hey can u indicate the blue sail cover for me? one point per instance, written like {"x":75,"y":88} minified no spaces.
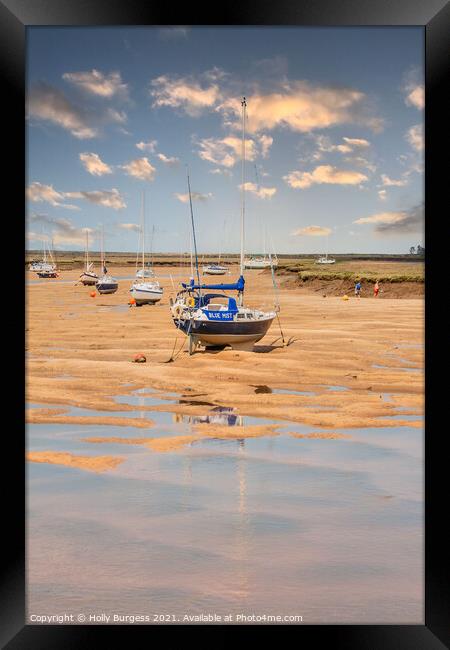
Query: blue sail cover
{"x":237,"y":286}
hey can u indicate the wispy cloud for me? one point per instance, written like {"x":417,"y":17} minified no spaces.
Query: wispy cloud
{"x":413,"y":89}
{"x":396,"y":223}
{"x":49,"y":104}
{"x":392,"y":182}
{"x":349,"y":145}
{"x":226,"y":151}
{"x":414,"y":137}
{"x":191,"y":95}
{"x":94,"y":165}
{"x":382,"y":195}
{"x":107,"y":198}
{"x":63,"y":231}
{"x":130,"y":226}
{"x":140,"y":168}
{"x":324,"y":174}
{"x":312,"y":231}
{"x":98,"y":83}
{"x":259,"y":191}
{"x":196,"y":196}
{"x":171,"y":161}
{"x":40,"y":193}
{"x":149,"y":146}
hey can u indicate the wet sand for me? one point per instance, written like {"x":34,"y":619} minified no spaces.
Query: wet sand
{"x":332,"y":343}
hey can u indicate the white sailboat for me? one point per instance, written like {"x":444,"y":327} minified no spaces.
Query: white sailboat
{"x":105,"y":283}
{"x":215,"y":319}
{"x":48,"y":267}
{"x":215,"y":268}
{"x":145,"y":291}
{"x":44,"y":266}
{"x":325,"y":259}
{"x":261,"y":262}
{"x":88,"y":277}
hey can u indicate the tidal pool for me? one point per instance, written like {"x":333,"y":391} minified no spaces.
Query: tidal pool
{"x":329,"y":529}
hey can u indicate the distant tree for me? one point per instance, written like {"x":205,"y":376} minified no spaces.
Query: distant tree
{"x":420,"y":250}
{"x":412,"y":250}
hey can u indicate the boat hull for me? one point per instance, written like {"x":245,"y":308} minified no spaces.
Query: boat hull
{"x":212,"y":271}
{"x":107,"y":287}
{"x":88,"y":280}
{"x":144,"y":297}
{"x":237,"y":334}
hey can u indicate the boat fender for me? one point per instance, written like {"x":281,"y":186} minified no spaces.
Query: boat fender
{"x":177,"y":311}
{"x":191,"y":302}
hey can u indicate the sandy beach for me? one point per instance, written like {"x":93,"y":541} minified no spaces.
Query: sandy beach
{"x":341,"y":358}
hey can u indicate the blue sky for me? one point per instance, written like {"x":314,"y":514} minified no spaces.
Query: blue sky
{"x":334,"y":137}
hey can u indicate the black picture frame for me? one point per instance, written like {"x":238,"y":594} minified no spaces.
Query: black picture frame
{"x":434,"y":17}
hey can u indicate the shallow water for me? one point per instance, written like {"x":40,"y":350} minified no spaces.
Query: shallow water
{"x":329,"y":529}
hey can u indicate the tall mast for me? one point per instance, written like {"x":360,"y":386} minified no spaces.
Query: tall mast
{"x":243,"y":104}
{"x":193,"y":231}
{"x":143,"y":229}
{"x":87,"y":249}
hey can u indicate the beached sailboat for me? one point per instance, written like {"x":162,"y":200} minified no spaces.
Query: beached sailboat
{"x":48,"y":268}
{"x":216,"y":319}
{"x":47,"y":265}
{"x":325,"y":259}
{"x":145,"y":291}
{"x":215,"y":268}
{"x":88,"y":277}
{"x":105,"y":283}
{"x":261,"y":262}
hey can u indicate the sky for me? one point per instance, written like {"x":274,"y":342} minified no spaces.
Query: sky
{"x":334,"y":137}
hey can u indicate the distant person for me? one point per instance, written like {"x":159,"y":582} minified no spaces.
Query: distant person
{"x":358,"y":289}
{"x":376,"y":289}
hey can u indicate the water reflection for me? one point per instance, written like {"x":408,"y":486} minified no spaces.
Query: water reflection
{"x":220,"y":415}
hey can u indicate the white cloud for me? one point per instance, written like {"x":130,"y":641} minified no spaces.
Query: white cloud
{"x":167,"y":160}
{"x":300,"y":106}
{"x":140,"y":168}
{"x":357,"y":142}
{"x":414,"y":136}
{"x":107,"y":198}
{"x":149,"y":146}
{"x":129,"y":226}
{"x":265,"y":142}
{"x":391,"y":182}
{"x":416,"y":97}
{"x":94,"y":165}
{"x":185,"y":93}
{"x":396,"y":223}
{"x":63,"y":231}
{"x":49,"y":104}
{"x":39,"y":193}
{"x":382,"y":195}
{"x":196,"y":196}
{"x":260,"y":192}
{"x":223,"y":171}
{"x":226,"y":151}
{"x":97,"y":83}
{"x":324,"y":174}
{"x":312,"y":231}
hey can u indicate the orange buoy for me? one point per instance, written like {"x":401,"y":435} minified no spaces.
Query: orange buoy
{"x":132,"y":301}
{"x":92,"y":294}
